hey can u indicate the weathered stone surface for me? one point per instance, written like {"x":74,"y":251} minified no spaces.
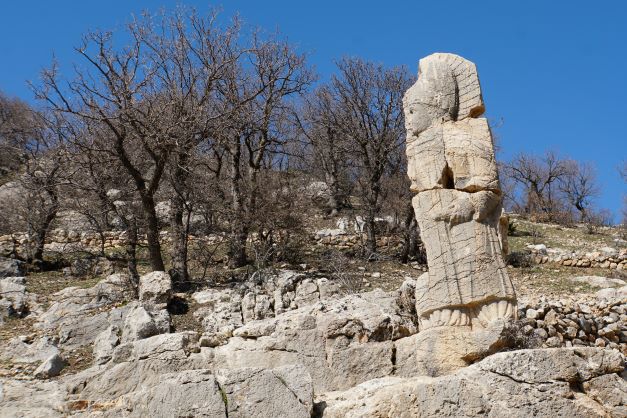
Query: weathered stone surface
{"x":619,"y":294}
{"x":105,"y":343}
{"x":77,"y":302}
{"x":541,"y":383}
{"x":79,"y":315}
{"x":610,"y":391}
{"x":223,"y":310}
{"x":453,"y":170}
{"x":442,"y":350}
{"x":23,"y":350}
{"x":51,"y":367}
{"x":254,"y":392}
{"x":598,"y":281}
{"x":32,"y":399}
{"x":341,"y":343}
{"x":10,"y":267}
{"x":189,"y":393}
{"x":13,"y":298}
{"x":251,"y":392}
{"x":139,"y":364}
{"x":155,"y":288}
{"x":139,"y":324}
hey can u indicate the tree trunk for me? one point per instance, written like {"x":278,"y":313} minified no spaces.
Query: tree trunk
{"x":179,"y":270}
{"x":42,"y":231}
{"x":411,"y":242}
{"x":152,"y":232}
{"x":334,"y":193}
{"x":372,"y":198}
{"x":131,"y":254}
{"x":40,"y":237}
{"x":371,"y":238}
{"x":239,"y":233}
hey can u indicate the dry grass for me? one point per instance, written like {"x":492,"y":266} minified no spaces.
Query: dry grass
{"x":570,"y":238}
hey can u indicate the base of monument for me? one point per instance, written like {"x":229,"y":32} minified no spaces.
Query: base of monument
{"x":442,"y":350}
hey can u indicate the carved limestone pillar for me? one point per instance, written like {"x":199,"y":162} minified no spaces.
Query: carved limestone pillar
{"x":453,"y":172}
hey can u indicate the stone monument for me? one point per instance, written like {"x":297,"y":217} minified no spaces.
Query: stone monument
{"x":452,"y":168}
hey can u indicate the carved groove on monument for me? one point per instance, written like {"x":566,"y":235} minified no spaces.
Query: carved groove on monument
{"x":453,"y":172}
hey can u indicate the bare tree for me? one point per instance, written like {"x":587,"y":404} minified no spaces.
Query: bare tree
{"x":579,"y":187}
{"x":319,"y":126}
{"x":191,"y":56}
{"x":18,"y":126}
{"x":120,"y":92}
{"x":257,"y":97}
{"x":538,"y":177}
{"x":40,"y":179}
{"x":369,"y":116}
{"x":104,"y":194}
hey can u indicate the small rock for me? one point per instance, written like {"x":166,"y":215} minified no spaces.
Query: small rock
{"x":553,"y":342}
{"x":532,"y":314}
{"x":51,"y":367}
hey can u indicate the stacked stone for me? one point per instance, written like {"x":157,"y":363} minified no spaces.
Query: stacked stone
{"x":566,"y":323}
{"x":609,"y":259}
{"x":346,"y":241}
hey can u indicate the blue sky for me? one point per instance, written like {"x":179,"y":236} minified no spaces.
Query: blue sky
{"x":554,"y":73}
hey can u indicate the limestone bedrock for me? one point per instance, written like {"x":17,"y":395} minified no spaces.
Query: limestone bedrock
{"x":458,"y":202}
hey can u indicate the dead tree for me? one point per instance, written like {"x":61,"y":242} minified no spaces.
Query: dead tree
{"x":539,"y":178}
{"x":319,"y":127}
{"x":257,"y":99}
{"x":370,"y":118}
{"x":119,"y":92}
{"x":579,"y":187}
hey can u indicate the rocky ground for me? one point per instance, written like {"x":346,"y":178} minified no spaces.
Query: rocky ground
{"x":304,"y":340}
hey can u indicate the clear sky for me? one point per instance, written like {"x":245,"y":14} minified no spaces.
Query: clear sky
{"x":554,"y":73}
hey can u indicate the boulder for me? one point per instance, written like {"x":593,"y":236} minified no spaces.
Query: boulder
{"x":79,"y":331}
{"x":78,"y":315}
{"x":139,"y":364}
{"x":189,"y":393}
{"x":51,"y":367}
{"x":32,"y":398}
{"x":139,"y":324}
{"x":223,"y":310}
{"x":73,"y":302}
{"x":220,"y":314}
{"x":613,"y":294}
{"x":251,"y":392}
{"x":155,"y":288}
{"x":10,"y":267}
{"x":160,"y":346}
{"x":23,"y":350}
{"x":13,"y":298}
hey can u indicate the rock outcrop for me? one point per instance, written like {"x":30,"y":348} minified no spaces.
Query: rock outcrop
{"x":340,"y":342}
{"x":541,"y":383}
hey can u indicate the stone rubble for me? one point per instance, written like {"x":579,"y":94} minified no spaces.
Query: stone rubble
{"x":596,"y":322}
